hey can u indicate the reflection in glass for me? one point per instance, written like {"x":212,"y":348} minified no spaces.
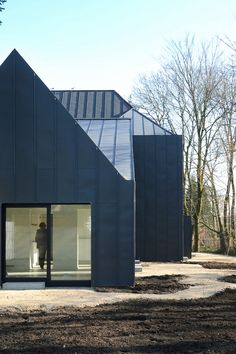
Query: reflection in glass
{"x":22,"y":258}
{"x":71,"y":240}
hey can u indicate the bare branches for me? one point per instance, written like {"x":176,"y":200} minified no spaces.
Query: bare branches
{"x":194,"y":93}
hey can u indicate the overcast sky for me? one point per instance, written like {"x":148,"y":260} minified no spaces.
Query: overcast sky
{"x":105,"y":44}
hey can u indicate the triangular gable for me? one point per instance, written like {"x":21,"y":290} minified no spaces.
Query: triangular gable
{"x":47,"y":158}
{"x":44,"y":146}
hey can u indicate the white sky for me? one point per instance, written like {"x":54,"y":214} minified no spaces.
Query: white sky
{"x":105,"y":44}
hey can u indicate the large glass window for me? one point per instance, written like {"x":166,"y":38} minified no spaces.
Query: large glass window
{"x":71,"y":242}
{"x":28,"y":238}
{"x":22,"y":252}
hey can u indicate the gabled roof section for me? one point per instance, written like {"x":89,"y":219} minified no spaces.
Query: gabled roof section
{"x":114,"y":139}
{"x":93,"y":104}
{"x":141,"y":125}
{"x":46,"y":140}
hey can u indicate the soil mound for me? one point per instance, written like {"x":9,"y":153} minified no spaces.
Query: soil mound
{"x":132,"y":327}
{"x":228,"y":279}
{"x":152,"y":285}
{"x":215,"y":265}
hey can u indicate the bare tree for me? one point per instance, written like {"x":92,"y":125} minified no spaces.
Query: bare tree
{"x":227,"y":105}
{"x":193,"y":75}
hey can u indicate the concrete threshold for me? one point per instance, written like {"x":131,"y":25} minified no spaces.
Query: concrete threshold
{"x":23,"y":285}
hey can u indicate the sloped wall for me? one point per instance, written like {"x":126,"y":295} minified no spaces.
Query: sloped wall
{"x":45,"y":157}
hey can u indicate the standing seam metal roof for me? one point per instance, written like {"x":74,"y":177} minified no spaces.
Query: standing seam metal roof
{"x":89,"y":104}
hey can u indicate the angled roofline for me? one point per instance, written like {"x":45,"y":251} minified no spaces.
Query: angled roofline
{"x":80,"y":90}
{"x":95,"y":119}
{"x":50,"y":92}
{"x":152,"y":121}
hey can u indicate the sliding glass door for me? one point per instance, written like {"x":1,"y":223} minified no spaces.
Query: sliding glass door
{"x":51,"y":242}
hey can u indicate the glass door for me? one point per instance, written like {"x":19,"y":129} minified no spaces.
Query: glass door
{"x":26,"y":239}
{"x":71,"y":242}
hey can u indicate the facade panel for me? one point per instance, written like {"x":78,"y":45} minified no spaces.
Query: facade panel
{"x":159,"y":235}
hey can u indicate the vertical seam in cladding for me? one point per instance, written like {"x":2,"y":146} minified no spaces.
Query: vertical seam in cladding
{"x":144,"y":198}
{"x":61,"y":95}
{"x":131,"y":151}
{"x":85,"y":104}
{"x":132,"y":123}
{"x":94,"y":104}
{"x":34,"y":139}
{"x":121,"y":106}
{"x":153,"y":127}
{"x":115,"y":140}
{"x":167,"y":199}
{"x":68,"y":101}
{"x":55,"y":150}
{"x":143,"y":125}
{"x":118,"y":238}
{"x":112,"y":103}
{"x":76,"y":104}
{"x":100,"y":136}
{"x":88,"y":127}
{"x":155,"y":191}
{"x":75,"y":163}
{"x":14,"y":122}
{"x":103,"y":105}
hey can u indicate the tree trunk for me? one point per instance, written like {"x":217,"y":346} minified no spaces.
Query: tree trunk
{"x":196,"y":234}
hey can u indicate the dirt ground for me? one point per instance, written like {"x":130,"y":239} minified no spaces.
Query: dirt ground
{"x":152,"y":285}
{"x":216,"y":265}
{"x":137,"y":326}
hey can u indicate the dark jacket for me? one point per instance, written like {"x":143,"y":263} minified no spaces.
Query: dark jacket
{"x":41,"y":238}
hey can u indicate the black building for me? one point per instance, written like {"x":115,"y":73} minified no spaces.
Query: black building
{"x":104,"y":179}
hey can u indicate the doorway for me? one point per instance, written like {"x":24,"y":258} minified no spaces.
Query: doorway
{"x":67,"y":243}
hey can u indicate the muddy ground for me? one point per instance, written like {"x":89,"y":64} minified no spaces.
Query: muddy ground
{"x":229,"y":279}
{"x":152,"y":285}
{"x":215,"y":265}
{"x":139,"y":327}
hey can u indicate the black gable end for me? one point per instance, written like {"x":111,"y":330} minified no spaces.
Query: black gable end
{"x":46,"y":157}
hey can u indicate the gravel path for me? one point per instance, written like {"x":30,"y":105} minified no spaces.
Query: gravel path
{"x":204,"y":284}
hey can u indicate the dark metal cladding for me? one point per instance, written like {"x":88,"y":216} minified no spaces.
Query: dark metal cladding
{"x":188,"y":232}
{"x":93,"y":104}
{"x":46,"y":157}
{"x":159,"y":220}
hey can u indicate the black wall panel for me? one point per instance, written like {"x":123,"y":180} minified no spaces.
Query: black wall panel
{"x":48,"y":158}
{"x":159,"y":220}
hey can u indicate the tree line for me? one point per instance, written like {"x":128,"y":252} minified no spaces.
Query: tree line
{"x":193,"y":93}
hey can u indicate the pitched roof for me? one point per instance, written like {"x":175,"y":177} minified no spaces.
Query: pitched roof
{"x":114,"y":138}
{"x":93,"y":104}
{"x":39,"y":114}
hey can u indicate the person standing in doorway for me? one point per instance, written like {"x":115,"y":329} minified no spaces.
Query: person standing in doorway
{"x":41,"y":240}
